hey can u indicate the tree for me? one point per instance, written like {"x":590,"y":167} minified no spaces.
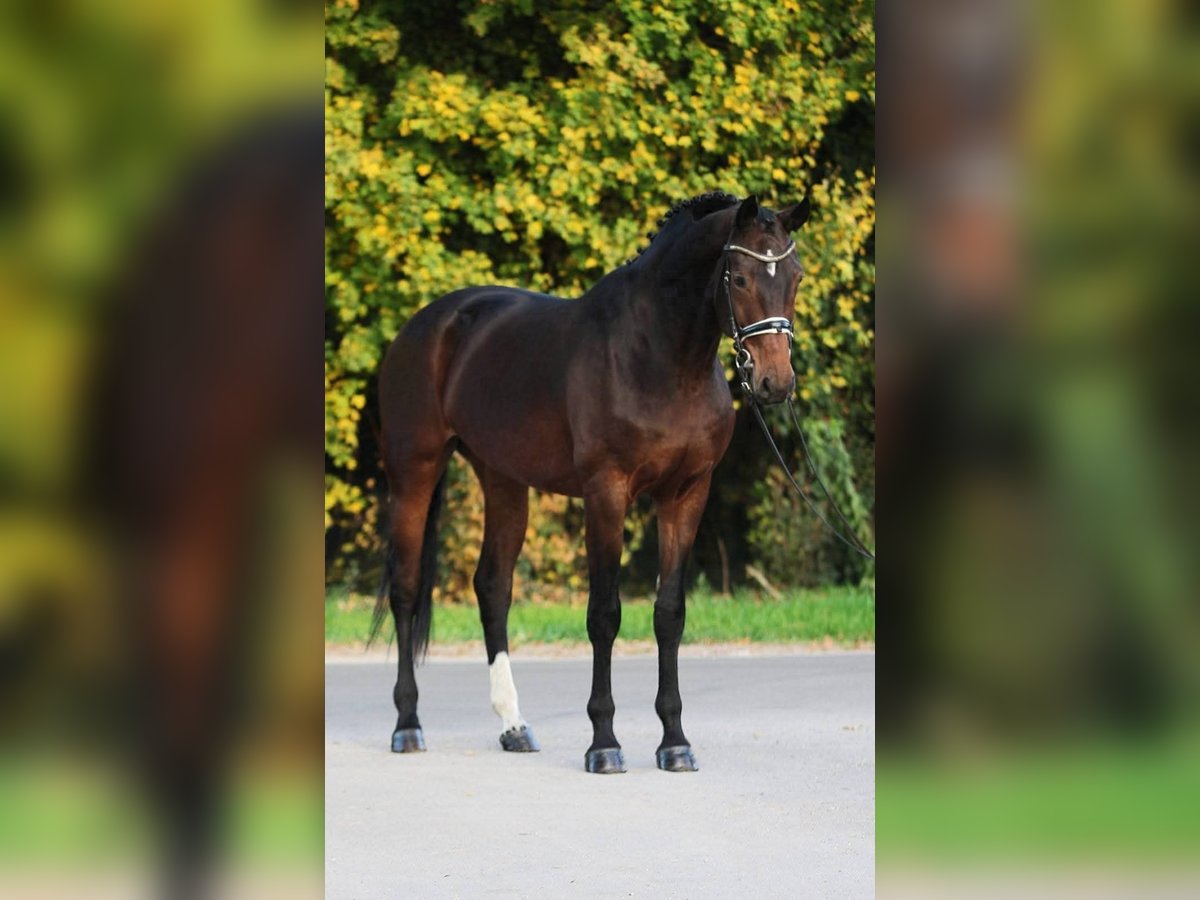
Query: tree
{"x":492,"y":142}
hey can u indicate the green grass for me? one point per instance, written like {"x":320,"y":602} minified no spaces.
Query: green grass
{"x":843,"y":615}
{"x":65,"y":810}
{"x":60,"y":808}
{"x":1112,"y":801}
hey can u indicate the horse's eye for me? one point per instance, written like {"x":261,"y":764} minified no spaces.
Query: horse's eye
{"x":739,"y":280}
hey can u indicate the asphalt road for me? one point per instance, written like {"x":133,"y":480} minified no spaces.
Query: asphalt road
{"x":783,"y":804}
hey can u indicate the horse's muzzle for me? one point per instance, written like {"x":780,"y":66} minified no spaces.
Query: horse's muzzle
{"x":769,"y":391}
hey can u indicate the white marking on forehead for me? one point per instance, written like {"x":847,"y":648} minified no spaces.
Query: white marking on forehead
{"x":771,"y":269}
{"x":504,"y":692}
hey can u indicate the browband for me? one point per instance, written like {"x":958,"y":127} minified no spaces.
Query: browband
{"x":763,"y":257}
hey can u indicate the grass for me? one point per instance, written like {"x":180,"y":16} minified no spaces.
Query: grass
{"x":1116,"y":801}
{"x":60,"y":808}
{"x":843,"y":615}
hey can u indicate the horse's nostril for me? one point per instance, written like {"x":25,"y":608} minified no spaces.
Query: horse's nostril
{"x":766,"y":385}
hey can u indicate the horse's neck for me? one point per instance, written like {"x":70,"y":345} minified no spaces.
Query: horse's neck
{"x":661,"y":305}
{"x":674,"y":297}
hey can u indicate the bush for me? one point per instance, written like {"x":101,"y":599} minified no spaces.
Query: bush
{"x":474,"y":143}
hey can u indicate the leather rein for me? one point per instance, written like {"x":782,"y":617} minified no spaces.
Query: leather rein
{"x":744,"y":366}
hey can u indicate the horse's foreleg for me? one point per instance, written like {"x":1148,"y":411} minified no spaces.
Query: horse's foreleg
{"x":605,"y":513}
{"x":506,"y":514}
{"x":678,"y":519}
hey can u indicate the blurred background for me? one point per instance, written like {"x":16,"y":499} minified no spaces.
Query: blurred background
{"x":160,"y":709}
{"x":537,"y":145}
{"x":1039,"y":684}
{"x":1038,"y":690}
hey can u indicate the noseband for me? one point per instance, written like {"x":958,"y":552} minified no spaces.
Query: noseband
{"x":770,"y":325}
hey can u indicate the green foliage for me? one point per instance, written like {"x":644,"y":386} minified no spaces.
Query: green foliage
{"x":486,"y":142}
{"x":792,"y":545}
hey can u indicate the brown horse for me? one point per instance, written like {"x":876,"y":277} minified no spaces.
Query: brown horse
{"x":608,"y":397}
{"x":201,"y":396}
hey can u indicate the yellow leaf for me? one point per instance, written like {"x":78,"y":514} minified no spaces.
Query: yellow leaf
{"x":424,"y":169}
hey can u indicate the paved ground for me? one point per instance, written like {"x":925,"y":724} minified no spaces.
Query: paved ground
{"x":783,"y":804}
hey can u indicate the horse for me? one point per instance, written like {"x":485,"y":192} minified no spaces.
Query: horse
{"x":608,"y":397}
{"x":194,"y":404}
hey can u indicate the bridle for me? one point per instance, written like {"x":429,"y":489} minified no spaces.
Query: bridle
{"x":745,"y":368}
{"x":770,"y":325}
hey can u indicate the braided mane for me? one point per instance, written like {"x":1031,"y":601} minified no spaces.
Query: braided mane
{"x":701,"y":205}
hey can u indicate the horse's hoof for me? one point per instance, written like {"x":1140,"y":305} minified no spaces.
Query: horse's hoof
{"x":608,"y":761}
{"x":408,"y":740}
{"x":519,"y":740}
{"x":677,"y":759}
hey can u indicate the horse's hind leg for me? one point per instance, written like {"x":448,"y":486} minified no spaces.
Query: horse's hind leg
{"x":505,"y":516}
{"x":413,"y":494}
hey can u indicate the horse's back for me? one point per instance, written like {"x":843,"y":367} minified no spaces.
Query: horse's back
{"x":458,"y":325}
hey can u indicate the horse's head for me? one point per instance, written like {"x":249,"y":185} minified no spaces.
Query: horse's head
{"x":756,"y":294}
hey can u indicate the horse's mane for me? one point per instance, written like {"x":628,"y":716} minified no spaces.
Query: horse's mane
{"x":700,"y":205}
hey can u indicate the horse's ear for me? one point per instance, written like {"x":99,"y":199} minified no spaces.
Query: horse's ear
{"x":792,"y":217}
{"x":747,"y":212}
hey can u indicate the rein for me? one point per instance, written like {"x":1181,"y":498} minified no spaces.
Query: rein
{"x":852,"y":542}
{"x":744,"y":366}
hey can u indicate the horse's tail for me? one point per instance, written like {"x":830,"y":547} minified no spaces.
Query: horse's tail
{"x":422,"y":616}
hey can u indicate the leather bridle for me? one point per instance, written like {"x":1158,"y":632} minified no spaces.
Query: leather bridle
{"x":770,"y":325}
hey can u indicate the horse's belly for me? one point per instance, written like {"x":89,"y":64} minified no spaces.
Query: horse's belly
{"x":505,"y":400}
{"x":528,"y":455}
{"x":517,"y":431}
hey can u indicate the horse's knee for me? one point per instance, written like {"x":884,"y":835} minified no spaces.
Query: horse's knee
{"x":603,"y":621}
{"x":668,"y":613}
{"x":668,"y":619}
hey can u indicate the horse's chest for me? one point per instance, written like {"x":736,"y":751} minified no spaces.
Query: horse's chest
{"x":662,"y":458}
